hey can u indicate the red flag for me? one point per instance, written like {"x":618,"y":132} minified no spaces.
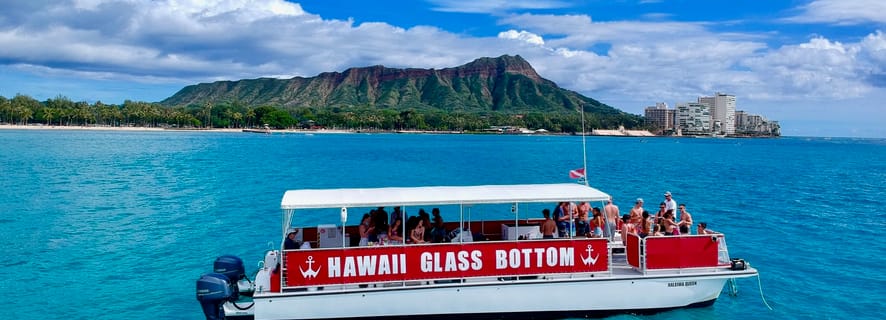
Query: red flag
{"x":577,"y":173}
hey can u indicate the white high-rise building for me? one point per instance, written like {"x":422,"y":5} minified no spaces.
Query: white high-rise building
{"x":722,"y":109}
{"x":693,"y":118}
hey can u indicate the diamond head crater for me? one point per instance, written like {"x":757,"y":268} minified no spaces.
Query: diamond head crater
{"x":487,"y":93}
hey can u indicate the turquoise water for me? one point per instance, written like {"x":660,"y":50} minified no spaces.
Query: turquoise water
{"x":119,"y":225}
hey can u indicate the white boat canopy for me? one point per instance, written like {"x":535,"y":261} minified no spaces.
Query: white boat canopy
{"x":438,"y":195}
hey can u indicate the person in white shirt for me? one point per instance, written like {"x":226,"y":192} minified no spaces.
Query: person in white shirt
{"x":670,"y":204}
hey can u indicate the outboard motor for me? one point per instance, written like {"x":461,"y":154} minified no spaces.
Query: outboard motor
{"x":213,"y":290}
{"x":231,"y":267}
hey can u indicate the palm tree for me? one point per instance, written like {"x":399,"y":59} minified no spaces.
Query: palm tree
{"x":250,"y":116}
{"x":84,"y":113}
{"x":4,"y":109}
{"x":237,"y":117}
{"x":48,"y":115}
{"x":25,"y":114}
{"x":207,"y":109}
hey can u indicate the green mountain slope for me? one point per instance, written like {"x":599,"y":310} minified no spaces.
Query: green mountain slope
{"x":507,"y":84}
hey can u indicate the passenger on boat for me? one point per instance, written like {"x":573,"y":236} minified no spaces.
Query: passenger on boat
{"x":670,"y":204}
{"x":396,"y":214}
{"x":365,"y":229}
{"x":425,"y":220}
{"x":438,"y":231}
{"x":572,"y":209}
{"x":380,"y":223}
{"x":597,"y":223}
{"x":627,"y":228}
{"x":637,"y":213}
{"x":671,"y":227}
{"x":549,"y":226}
{"x":645,"y":225}
{"x":394,"y":231}
{"x":659,"y":216}
{"x":611,"y":217}
{"x":656,"y":231}
{"x":561,"y":216}
{"x":582,"y":226}
{"x":417,"y":235}
{"x":290,"y":243}
{"x":685,"y":219}
{"x":381,"y":211}
{"x":372,"y":237}
{"x":703,"y":229}
{"x":411,"y":223}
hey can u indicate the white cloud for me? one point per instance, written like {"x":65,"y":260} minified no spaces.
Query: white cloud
{"x":495,"y":6}
{"x":629,"y":64}
{"x":819,"y":68}
{"x":633,"y":62}
{"x":842,"y":12}
{"x":195,"y":40}
{"x":524,"y":36}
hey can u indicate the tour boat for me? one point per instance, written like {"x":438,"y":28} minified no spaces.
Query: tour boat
{"x":496,"y":266}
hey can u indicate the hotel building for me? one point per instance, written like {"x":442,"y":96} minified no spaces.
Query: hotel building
{"x":722,"y":109}
{"x":661,"y":118}
{"x":694,"y":118}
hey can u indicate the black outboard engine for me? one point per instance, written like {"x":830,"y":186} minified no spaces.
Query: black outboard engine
{"x":213,"y":289}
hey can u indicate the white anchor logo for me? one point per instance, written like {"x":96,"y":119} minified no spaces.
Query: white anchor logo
{"x":590,"y":260}
{"x":310,"y":273}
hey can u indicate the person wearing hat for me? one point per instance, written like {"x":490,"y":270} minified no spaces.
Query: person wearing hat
{"x":637,"y":212}
{"x":670,"y":204}
{"x":290,"y":243}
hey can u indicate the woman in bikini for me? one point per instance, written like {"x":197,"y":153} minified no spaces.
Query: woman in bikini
{"x":597,"y":223}
{"x":394,"y":231}
{"x":418,"y":234}
{"x":671,"y":226}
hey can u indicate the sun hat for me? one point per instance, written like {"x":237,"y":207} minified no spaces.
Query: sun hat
{"x":667,"y":193}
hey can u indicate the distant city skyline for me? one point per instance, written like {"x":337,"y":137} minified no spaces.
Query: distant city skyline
{"x":717,"y":114}
{"x":816,"y":66}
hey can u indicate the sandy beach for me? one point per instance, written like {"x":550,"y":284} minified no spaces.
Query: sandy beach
{"x":610,"y":133}
{"x":104,"y":128}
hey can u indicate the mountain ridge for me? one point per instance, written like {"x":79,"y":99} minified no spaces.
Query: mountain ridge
{"x":506,"y":84}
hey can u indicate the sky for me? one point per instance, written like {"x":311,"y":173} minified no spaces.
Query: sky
{"x":816,"y":66}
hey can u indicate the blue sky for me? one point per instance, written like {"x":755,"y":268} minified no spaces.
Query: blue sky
{"x":817,"y":66}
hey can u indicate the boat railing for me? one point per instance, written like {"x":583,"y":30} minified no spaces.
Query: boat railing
{"x":405,"y":265}
{"x":676,"y":253}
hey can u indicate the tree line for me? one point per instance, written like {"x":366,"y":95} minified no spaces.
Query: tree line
{"x":62,"y":111}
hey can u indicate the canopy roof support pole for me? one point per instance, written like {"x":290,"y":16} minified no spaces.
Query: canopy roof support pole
{"x":461,"y":221}
{"x":287,"y":222}
{"x":514,"y":210}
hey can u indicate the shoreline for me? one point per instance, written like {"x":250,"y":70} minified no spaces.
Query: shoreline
{"x":154,"y":129}
{"x":327,"y":131}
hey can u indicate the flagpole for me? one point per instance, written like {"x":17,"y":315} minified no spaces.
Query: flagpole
{"x":584,"y":151}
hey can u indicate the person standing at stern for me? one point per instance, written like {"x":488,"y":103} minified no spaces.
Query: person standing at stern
{"x":670,"y":204}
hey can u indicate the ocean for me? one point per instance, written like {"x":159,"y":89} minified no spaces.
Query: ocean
{"x":119,"y":225}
